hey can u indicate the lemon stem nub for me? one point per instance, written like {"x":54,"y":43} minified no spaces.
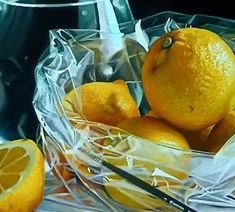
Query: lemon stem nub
{"x":167,"y":43}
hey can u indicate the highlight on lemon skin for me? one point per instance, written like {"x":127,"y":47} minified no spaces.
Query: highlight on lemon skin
{"x":21,"y":176}
{"x":188,"y":77}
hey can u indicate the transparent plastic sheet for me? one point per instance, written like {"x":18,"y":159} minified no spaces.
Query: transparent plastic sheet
{"x":202,"y":180}
{"x":23,"y":38}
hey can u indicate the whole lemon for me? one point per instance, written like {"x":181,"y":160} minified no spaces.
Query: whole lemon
{"x":164,"y":159}
{"x":103,"y":102}
{"x":188,"y":77}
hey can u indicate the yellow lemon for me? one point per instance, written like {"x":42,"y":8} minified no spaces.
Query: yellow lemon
{"x":103,"y":102}
{"x":188,"y":78}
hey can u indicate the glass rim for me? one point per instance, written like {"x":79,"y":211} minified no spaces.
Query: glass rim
{"x":27,"y":3}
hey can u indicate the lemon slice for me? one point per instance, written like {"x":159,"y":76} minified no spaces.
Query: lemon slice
{"x":21,"y":176}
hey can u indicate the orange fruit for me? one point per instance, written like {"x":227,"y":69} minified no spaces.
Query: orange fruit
{"x":103,"y":102}
{"x":21,"y":176}
{"x":153,"y":130}
{"x":221,"y":133}
{"x":188,"y":78}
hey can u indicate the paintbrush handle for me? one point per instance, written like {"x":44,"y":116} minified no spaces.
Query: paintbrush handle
{"x":145,"y":186}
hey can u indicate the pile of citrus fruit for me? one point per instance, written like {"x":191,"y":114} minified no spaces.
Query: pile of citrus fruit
{"x":188,"y":78}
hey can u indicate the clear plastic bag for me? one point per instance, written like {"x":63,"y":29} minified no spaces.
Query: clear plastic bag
{"x":74,"y":145}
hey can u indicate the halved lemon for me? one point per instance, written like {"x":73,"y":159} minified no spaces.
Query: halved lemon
{"x":21,"y":176}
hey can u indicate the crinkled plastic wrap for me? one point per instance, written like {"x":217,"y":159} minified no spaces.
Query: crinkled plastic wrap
{"x":72,"y":144}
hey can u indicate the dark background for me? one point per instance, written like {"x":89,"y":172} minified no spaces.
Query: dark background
{"x":142,"y":8}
